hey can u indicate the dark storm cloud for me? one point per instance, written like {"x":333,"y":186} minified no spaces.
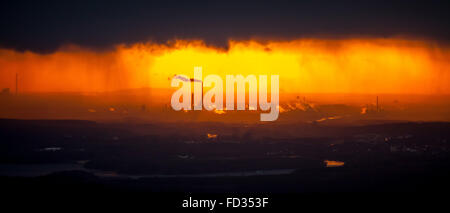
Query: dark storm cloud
{"x":43,"y":26}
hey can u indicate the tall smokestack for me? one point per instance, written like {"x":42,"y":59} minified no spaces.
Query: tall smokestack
{"x":192,"y":101}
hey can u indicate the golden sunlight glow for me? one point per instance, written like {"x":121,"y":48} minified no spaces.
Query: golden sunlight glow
{"x":306,"y":66}
{"x":332,"y":163}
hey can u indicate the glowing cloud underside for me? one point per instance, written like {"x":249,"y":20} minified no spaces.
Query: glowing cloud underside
{"x":313,"y":66}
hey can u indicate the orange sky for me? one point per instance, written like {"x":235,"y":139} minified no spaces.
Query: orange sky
{"x":304,"y":66}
